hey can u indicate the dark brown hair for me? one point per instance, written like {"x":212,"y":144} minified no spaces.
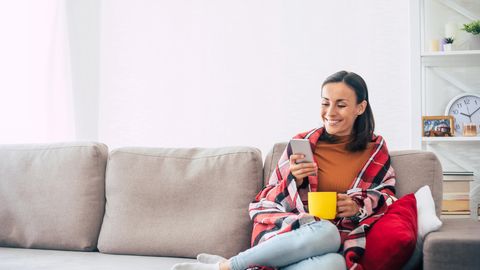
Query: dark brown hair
{"x":364,"y":125}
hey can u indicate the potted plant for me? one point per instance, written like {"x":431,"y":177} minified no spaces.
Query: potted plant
{"x":474,"y":29}
{"x":447,"y":43}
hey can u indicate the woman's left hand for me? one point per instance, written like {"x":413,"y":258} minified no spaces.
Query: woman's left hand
{"x":346,"y":207}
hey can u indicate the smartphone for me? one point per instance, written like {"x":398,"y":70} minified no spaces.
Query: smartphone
{"x":302,"y":146}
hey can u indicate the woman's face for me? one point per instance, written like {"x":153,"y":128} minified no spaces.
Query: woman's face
{"x":340,"y":108}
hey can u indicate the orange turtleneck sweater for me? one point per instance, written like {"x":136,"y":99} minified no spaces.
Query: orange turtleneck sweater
{"x":337,"y":167}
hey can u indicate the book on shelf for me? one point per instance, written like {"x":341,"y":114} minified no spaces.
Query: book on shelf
{"x":456,"y":196}
{"x":456,"y":187}
{"x":458,"y":177}
{"x":456,"y":202}
{"x":465,"y":213}
{"x":455,"y":205}
{"x":468,"y":173}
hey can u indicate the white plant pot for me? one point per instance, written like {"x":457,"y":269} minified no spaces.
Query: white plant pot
{"x":474,"y":42}
{"x":447,"y":47}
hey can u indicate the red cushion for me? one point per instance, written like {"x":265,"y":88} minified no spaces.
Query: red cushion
{"x":391,"y":240}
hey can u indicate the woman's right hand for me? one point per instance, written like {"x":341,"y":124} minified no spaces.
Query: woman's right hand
{"x":301,"y":170}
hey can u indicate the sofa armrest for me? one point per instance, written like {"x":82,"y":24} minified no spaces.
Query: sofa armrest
{"x":455,"y":246}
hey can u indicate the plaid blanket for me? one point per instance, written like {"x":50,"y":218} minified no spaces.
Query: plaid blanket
{"x":278,"y":208}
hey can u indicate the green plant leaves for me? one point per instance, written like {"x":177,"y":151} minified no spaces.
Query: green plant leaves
{"x":473,"y":27}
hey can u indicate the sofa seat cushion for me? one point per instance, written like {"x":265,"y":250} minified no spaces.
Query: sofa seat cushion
{"x":180,"y":202}
{"x":33,"y":259}
{"x":456,"y":245}
{"x":52,"y":195}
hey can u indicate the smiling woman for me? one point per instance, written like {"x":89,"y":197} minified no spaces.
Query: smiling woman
{"x":350,"y":161}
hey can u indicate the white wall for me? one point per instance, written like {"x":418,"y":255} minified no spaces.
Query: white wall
{"x":216,"y":73}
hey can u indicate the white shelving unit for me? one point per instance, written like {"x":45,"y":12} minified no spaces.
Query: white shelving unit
{"x":438,"y":76}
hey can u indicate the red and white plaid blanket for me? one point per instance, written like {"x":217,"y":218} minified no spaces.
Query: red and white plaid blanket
{"x":278,"y":208}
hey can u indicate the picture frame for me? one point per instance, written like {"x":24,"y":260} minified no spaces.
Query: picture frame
{"x":437,"y":126}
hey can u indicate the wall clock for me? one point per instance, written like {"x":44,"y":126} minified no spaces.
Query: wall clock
{"x":465,"y":109}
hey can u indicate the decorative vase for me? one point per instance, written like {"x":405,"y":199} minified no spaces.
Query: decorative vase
{"x":447,"y":47}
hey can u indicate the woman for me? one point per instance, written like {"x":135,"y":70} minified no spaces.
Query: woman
{"x":350,"y":160}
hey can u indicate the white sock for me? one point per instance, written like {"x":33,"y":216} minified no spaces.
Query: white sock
{"x":196,"y":266}
{"x":210,"y":258}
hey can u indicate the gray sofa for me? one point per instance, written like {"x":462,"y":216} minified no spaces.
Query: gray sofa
{"x":79,"y":206}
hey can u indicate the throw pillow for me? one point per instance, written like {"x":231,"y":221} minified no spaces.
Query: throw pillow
{"x":391,"y":240}
{"x":427,"y":219}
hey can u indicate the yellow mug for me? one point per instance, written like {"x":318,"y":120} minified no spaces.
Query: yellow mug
{"x":322,"y":204}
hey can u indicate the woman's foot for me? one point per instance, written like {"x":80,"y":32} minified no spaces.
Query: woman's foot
{"x":210,"y":258}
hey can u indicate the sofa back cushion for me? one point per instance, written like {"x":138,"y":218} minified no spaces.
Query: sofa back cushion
{"x":180,"y":202}
{"x":52,"y":196}
{"x":413,"y":169}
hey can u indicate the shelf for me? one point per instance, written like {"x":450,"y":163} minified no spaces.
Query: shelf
{"x":452,"y":58}
{"x":450,"y":53}
{"x":450,"y":139}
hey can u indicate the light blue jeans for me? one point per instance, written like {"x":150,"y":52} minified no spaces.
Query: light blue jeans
{"x":313,"y":246}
